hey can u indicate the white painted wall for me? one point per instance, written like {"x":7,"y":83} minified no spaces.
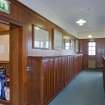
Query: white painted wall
{"x":39,"y":7}
{"x":4,"y":47}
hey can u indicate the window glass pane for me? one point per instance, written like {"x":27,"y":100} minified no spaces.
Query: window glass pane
{"x":37,"y":44}
{"x":41,"y":44}
{"x":89,"y":52}
{"x":89,"y":48}
{"x":93,"y":44}
{"x":67,"y":48}
{"x":57,"y":39}
{"x":67,"y":44}
{"x":47,"y":44}
{"x":89,"y":44}
{"x":92,"y":48}
{"x":93,"y":53}
{"x":41,"y":36}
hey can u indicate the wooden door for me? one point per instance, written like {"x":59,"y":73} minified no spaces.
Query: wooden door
{"x":92,"y":55}
{"x":92,"y":62}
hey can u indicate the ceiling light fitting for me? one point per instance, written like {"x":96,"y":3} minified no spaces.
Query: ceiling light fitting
{"x":90,"y":36}
{"x":81,"y":22}
{"x":37,"y":28}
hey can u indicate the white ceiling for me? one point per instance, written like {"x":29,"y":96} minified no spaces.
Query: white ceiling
{"x":66,"y":12}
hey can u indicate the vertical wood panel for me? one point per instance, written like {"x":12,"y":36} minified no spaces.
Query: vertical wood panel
{"x":25,"y":17}
{"x":54,"y":73}
{"x":100,"y":51}
{"x":15,"y":65}
{"x":104,"y":72}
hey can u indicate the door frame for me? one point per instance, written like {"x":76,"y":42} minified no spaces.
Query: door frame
{"x":16,"y":34}
{"x":91,"y":57}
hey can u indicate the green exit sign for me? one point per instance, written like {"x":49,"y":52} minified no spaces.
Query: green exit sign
{"x":5,"y":6}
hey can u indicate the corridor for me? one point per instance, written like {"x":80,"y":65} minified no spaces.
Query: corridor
{"x":85,"y":89}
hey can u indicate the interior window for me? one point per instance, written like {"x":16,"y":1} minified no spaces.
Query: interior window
{"x":67,"y":45}
{"x":91,"y":48}
{"x":41,"y":37}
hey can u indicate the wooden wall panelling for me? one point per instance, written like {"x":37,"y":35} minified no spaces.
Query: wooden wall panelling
{"x":50,"y":75}
{"x":68,"y":80}
{"x":22,"y":16}
{"x":15,"y":65}
{"x":71,"y":64}
{"x":66,"y":70}
{"x":46,"y":71}
{"x":84,"y":51}
{"x":100,"y":51}
{"x":37,"y":82}
{"x":63,"y":71}
{"x":75,"y":66}
{"x":70,"y":67}
{"x":103,"y":72}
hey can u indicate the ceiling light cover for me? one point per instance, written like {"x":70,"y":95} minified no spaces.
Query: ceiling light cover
{"x":90,"y":36}
{"x":37,"y":28}
{"x":81,"y":22}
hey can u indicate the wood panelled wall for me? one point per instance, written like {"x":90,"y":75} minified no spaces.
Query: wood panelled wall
{"x":49,"y":75}
{"x":100,"y":51}
{"x":104,"y":72}
{"x":24,"y":18}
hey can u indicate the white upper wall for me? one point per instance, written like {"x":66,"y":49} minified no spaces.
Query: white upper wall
{"x":43,"y":10}
{"x":4,"y":47}
{"x":65,"y":13}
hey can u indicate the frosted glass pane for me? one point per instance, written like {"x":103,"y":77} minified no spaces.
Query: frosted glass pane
{"x":57,"y":39}
{"x":47,"y":44}
{"x":67,"y":48}
{"x":89,"y":44}
{"x":91,"y":53}
{"x":37,"y":44}
{"x":41,"y":36}
{"x":67,"y":44}
{"x":41,"y":44}
{"x":93,"y":48}
{"x":94,"y":52}
{"x":89,"y":48}
{"x":77,"y":46}
{"x":92,"y":44}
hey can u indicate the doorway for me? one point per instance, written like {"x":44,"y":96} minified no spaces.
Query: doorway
{"x":92,"y":55}
{"x":4,"y":63}
{"x":10,"y":63}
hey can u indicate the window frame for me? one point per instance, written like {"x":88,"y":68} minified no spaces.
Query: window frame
{"x":67,"y":41}
{"x":33,"y":37}
{"x":91,"y":52}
